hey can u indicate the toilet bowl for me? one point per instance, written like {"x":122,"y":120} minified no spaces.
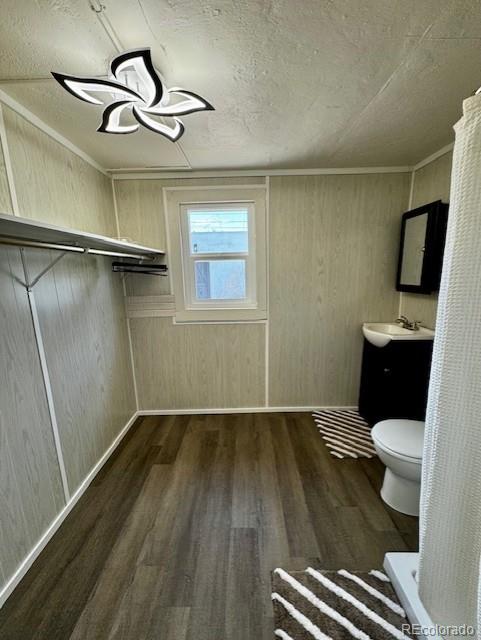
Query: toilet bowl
{"x":399,"y":445}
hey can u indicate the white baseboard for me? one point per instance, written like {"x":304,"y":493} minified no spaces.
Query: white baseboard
{"x":47,"y":535}
{"x":206,"y":411}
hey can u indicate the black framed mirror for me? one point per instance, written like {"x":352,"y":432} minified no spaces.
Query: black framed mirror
{"x":423,"y":234}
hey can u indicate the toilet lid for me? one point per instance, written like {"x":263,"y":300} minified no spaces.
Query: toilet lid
{"x":404,"y":437}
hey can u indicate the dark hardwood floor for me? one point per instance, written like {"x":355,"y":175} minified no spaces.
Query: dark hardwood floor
{"x":178,"y":534}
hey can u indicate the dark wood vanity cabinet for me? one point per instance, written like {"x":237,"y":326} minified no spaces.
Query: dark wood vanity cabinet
{"x":395,"y":380}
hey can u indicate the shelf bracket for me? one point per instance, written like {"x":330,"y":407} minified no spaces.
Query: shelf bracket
{"x":31,"y":282}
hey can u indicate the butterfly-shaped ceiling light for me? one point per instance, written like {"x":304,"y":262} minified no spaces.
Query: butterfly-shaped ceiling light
{"x":134,"y":91}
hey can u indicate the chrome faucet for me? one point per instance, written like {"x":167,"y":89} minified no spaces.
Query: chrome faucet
{"x":407,"y":324}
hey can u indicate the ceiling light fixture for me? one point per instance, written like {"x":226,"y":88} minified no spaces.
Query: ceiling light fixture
{"x":135,"y":88}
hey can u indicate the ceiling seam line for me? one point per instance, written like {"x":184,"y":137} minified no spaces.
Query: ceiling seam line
{"x":384,"y":86}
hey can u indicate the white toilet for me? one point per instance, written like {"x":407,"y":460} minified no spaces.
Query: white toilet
{"x":399,"y":444}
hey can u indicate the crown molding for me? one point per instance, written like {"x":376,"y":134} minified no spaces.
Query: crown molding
{"x":136,"y":174}
{"x":434,"y":156}
{"x":40,"y":124}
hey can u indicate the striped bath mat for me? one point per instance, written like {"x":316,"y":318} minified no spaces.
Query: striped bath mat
{"x":336,"y":605}
{"x":345,"y":433}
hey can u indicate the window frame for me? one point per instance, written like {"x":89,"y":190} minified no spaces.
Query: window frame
{"x":189,"y":258}
{"x":253,"y":309}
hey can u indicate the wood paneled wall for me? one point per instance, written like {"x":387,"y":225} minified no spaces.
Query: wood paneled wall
{"x":55,"y":185}
{"x":84,"y":329}
{"x":333,"y":245}
{"x":185,"y":366}
{"x":333,"y":249}
{"x":30,"y":488}
{"x":431,"y":182}
{"x":192,"y":366}
{"x":81,"y":310}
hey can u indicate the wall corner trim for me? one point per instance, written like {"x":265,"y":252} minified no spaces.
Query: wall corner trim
{"x":8,"y":165}
{"x":25,"y":565}
{"x":40,"y":124}
{"x":434,"y":156}
{"x":46,"y":382}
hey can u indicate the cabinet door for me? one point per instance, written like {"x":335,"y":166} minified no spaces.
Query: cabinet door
{"x":413,"y":368}
{"x":395,"y":380}
{"x":423,"y":234}
{"x":377,"y":383}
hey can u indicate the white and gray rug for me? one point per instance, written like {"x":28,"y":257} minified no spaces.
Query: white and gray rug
{"x":345,"y":433}
{"x":336,"y":605}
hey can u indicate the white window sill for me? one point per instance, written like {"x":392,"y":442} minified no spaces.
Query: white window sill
{"x":219,"y":315}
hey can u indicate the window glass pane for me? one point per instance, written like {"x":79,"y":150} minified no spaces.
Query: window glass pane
{"x":220,"y":279}
{"x":219,"y":231}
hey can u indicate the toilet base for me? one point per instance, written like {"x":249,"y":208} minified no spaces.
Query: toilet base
{"x":401,"y":494}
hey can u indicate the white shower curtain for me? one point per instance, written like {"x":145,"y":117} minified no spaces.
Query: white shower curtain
{"x":449,"y":573}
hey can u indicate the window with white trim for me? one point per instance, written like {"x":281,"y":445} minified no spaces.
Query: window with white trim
{"x":217,"y":246}
{"x":218,"y":253}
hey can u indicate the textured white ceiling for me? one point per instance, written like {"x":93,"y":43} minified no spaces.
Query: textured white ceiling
{"x":295,"y":83}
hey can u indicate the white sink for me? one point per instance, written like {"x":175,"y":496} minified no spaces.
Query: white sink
{"x":381,"y":333}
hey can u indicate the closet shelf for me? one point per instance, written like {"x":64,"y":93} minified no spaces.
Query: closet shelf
{"x":24,"y":232}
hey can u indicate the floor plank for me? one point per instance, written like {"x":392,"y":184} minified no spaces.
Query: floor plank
{"x":243,"y":586}
{"x":178,"y":534}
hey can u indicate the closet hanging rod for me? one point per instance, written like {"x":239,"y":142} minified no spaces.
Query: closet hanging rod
{"x":37,"y":244}
{"x":22,"y":242}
